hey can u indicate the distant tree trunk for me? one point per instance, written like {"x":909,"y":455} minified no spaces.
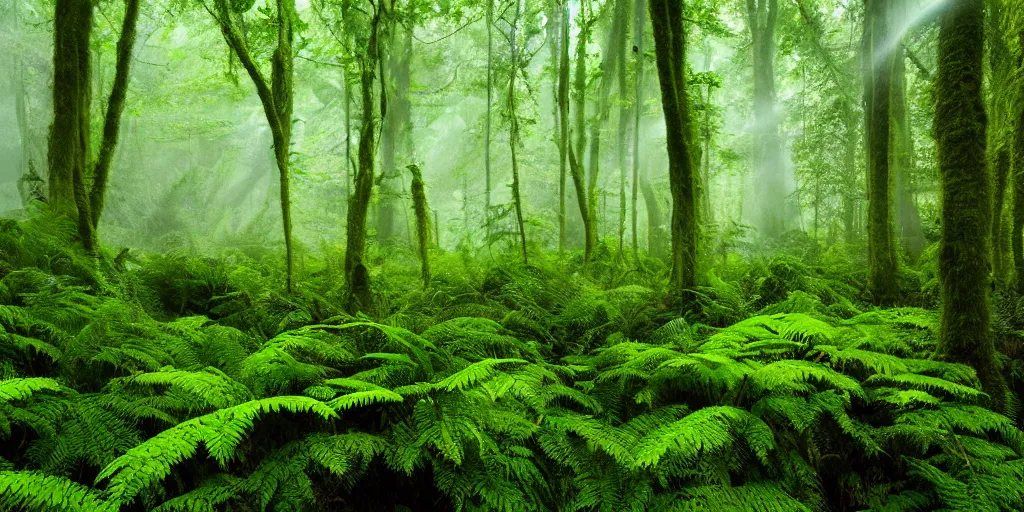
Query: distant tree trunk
{"x":655,"y":221}
{"x":908,"y":219}
{"x":1001,"y":86}
{"x":69,"y":134}
{"x":356,"y":274}
{"x":395,"y":140}
{"x":514,"y":130}
{"x":115,"y":107}
{"x":882,"y":260}
{"x":613,"y":54}
{"x":960,"y":127}
{"x":276,"y":99}
{"x":422,"y":211}
{"x":768,"y":163}
{"x":624,"y":123}
{"x":487,"y":120}
{"x":670,"y":53}
{"x":639,"y":23}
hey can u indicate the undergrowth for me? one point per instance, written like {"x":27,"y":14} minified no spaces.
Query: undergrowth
{"x":177,"y":382}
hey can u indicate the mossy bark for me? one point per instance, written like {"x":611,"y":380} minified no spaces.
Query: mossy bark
{"x":908,"y":218}
{"x":576,"y":163}
{"x":357,"y":276}
{"x":960,"y":132}
{"x":69,"y":134}
{"x":422,"y":213}
{"x":115,"y":107}
{"x":882,"y":260}
{"x":1017,"y":233}
{"x":276,"y":98}
{"x":1001,"y":92}
{"x":513,"y":136}
{"x":670,"y":55}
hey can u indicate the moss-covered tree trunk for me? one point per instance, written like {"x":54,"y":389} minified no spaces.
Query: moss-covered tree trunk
{"x":514,"y":134}
{"x":115,"y":107}
{"x":357,"y":276}
{"x":670,"y":55}
{"x":882,"y":260}
{"x":960,"y":132}
{"x":1000,"y":140}
{"x":624,"y":123}
{"x":576,"y":164}
{"x":558,"y":33}
{"x":276,"y":98}
{"x":69,"y":134}
{"x":422,"y":213}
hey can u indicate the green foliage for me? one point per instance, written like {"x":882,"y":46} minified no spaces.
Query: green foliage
{"x":518,"y":389}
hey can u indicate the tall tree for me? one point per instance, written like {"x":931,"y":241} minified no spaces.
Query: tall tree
{"x":72,"y":93}
{"x":639,"y":24}
{"x":769,"y":170}
{"x":395,"y":137}
{"x":670,"y":55}
{"x":908,"y":218}
{"x":357,"y":276}
{"x":562,"y":100}
{"x":422,"y":213}
{"x":576,"y":164}
{"x":1000,"y":132}
{"x":878,"y":64}
{"x":514,"y":134}
{"x":487,"y":119}
{"x":960,"y":133}
{"x":275,"y":96}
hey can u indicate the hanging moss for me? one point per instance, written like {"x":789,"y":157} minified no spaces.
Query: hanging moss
{"x":960,"y":132}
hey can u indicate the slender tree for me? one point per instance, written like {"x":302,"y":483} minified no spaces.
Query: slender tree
{"x":276,"y":97}
{"x":487,"y":119}
{"x":878,"y":85}
{"x":115,"y":107}
{"x":514,"y":135}
{"x":357,"y":276}
{"x":670,"y":55}
{"x":960,"y":133}
{"x":639,"y":24}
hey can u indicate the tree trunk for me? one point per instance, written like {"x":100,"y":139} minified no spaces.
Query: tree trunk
{"x":69,"y":134}
{"x":560,"y":64}
{"x":276,"y":99}
{"x":356,"y":274}
{"x":1001,"y":87}
{"x":639,"y":23}
{"x":624,"y":122}
{"x":670,"y":53}
{"x":514,"y":131}
{"x":769,"y":172}
{"x":908,"y":219}
{"x":394,"y":136}
{"x":576,"y":164}
{"x":881,"y":248}
{"x":115,"y":107}
{"x":960,"y":127}
{"x":487,"y":120}
{"x":419,"y":206}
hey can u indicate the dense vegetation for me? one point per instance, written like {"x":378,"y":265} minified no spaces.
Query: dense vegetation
{"x":819,"y":305}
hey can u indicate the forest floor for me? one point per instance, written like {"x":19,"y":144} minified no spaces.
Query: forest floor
{"x":178,"y":381}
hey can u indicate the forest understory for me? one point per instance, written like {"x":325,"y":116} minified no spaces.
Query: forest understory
{"x":183,"y":382}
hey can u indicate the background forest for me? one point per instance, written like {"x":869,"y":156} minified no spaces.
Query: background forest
{"x":513,"y":255}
